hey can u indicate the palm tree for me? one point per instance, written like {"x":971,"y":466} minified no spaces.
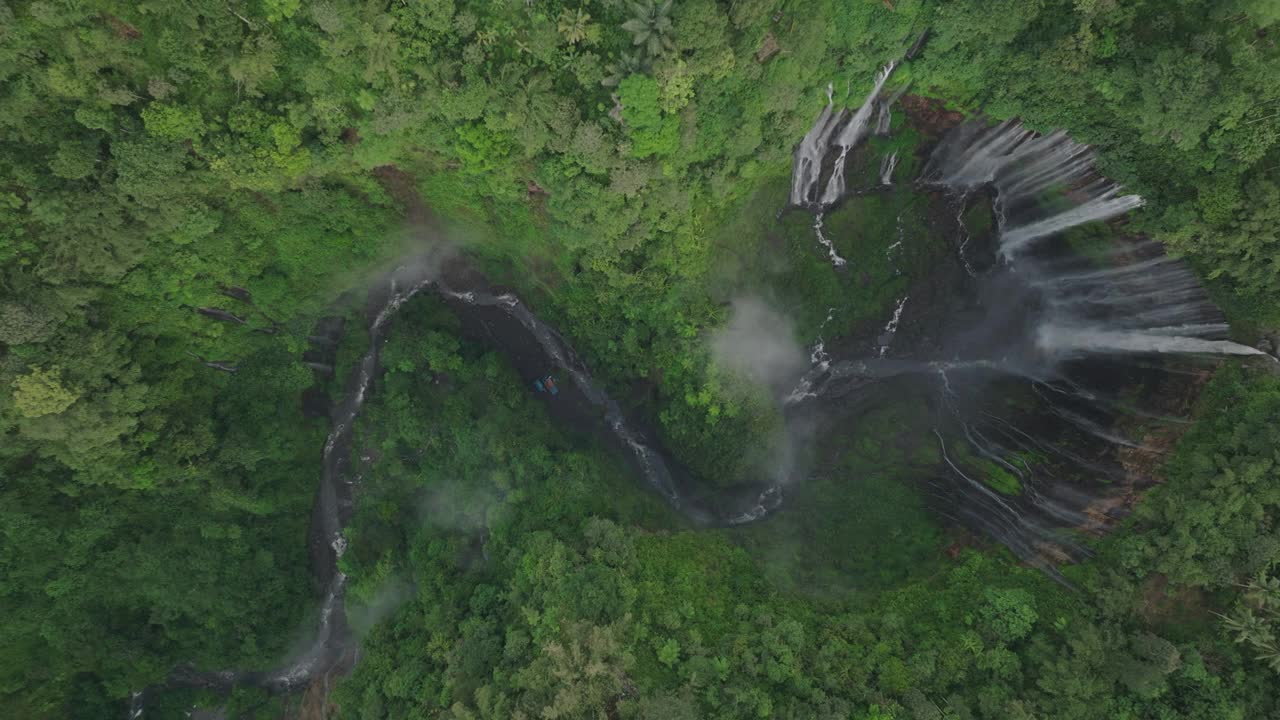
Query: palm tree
{"x":1249,"y":628}
{"x":1263,"y":593}
{"x":650,"y":26}
{"x":626,"y":64}
{"x":573,"y":25}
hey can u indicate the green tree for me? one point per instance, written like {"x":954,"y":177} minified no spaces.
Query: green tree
{"x":650,"y":26}
{"x":652,"y":132}
{"x":576,"y":27}
{"x":1008,"y":614}
{"x":40,"y":392}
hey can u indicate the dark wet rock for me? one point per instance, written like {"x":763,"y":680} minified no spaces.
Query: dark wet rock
{"x":220,"y":315}
{"x":227,"y":366}
{"x":331,"y":327}
{"x":315,"y":402}
{"x":918,"y":46}
{"x":236,"y":292}
{"x":321,"y":368}
{"x":928,"y":116}
{"x":768,"y":48}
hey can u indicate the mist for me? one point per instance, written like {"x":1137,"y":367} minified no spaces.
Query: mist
{"x":460,"y":505}
{"x":759,"y":345}
{"x":364,"y":613}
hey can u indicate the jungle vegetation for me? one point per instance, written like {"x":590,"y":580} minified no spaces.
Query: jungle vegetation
{"x":604,"y":158}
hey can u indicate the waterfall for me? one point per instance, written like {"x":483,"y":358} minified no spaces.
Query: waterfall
{"x":1138,"y":302}
{"x":1144,"y":305}
{"x":833,"y":133}
{"x":767,"y":501}
{"x":836,"y":133}
{"x":1057,"y":312}
{"x":807,"y":159}
{"x":1039,"y":315}
{"x":887,"y":166}
{"x":971,"y":155}
{"x":819,"y":363}
{"x":853,"y":133}
{"x":1105,"y":206}
{"x":891,"y":328}
{"x":1022,"y":166}
{"x":883,"y":120}
{"x":824,"y":241}
{"x":1065,"y":340}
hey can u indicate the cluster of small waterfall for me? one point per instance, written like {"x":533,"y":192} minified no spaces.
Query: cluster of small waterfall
{"x":821,"y":159}
{"x":1137,"y":301}
{"x":1052,"y":325}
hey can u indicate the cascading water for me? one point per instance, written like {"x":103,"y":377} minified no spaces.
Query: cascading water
{"x":820,"y":160}
{"x":1062,"y":340}
{"x":806,"y":165}
{"x":332,"y":511}
{"x":819,"y":363}
{"x":836,"y":260}
{"x":883,"y":120}
{"x":650,"y":462}
{"x":1083,"y":312}
{"x":1043,"y":317}
{"x":890,"y":328}
{"x":887,"y":166}
{"x":833,"y":133}
{"x":1021,"y":167}
{"x":1139,"y":302}
{"x":853,"y":132}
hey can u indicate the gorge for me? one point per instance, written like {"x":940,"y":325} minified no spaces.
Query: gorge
{"x":645,"y":360}
{"x":1041,"y":319}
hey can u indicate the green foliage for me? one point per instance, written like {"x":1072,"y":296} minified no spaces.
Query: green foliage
{"x":1254,"y":621}
{"x":650,"y":26}
{"x":1213,"y":521}
{"x":1008,"y":614}
{"x":22,"y":323}
{"x":155,"y":152}
{"x":652,"y":131}
{"x":1001,"y":480}
{"x":172,"y":122}
{"x":627,"y":64}
{"x":862,"y":497}
{"x":40,"y":392}
{"x":562,"y":613}
{"x":576,"y":27}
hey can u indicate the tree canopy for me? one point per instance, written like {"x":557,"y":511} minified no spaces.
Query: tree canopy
{"x":603,"y":157}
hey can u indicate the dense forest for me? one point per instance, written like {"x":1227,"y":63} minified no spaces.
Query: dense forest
{"x":186,"y":188}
